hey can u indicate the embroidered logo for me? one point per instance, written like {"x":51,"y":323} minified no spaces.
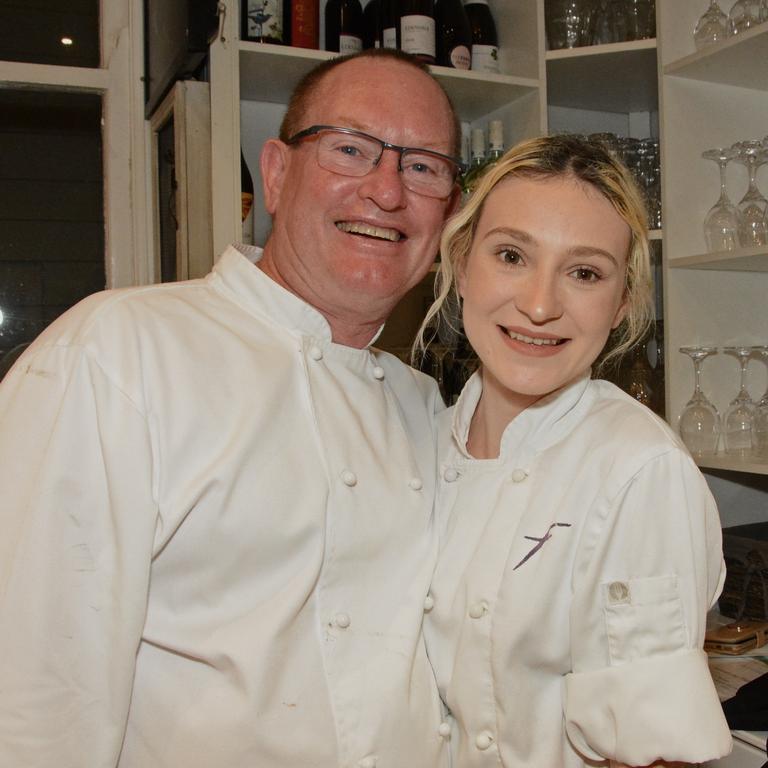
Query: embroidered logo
{"x":540,"y":542}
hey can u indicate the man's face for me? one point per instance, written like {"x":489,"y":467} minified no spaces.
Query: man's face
{"x":352,"y":246}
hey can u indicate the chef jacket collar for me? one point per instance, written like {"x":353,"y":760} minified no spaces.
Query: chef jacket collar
{"x":256,"y":292}
{"x":537,"y":427}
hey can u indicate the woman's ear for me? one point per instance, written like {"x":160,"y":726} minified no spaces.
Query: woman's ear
{"x":621,"y":313}
{"x":273,"y":164}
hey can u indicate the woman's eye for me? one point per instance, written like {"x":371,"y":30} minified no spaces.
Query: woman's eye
{"x":510,"y":256}
{"x":586,"y":275}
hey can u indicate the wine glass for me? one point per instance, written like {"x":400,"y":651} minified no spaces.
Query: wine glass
{"x":712,"y":27}
{"x":763,"y":10}
{"x":760,"y":424}
{"x":743,"y":15}
{"x":738,"y":419}
{"x":753,"y":227}
{"x":699,"y":422}
{"x":721,"y":224}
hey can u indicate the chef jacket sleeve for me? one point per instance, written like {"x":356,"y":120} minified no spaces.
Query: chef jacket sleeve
{"x":650,"y":567}
{"x":77,"y":521}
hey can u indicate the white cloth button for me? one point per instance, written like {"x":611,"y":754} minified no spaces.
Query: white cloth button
{"x":368,"y":762}
{"x":618,"y":592}
{"x":415,"y":484}
{"x":348,"y":477}
{"x":478,"y":610}
{"x":518,"y":475}
{"x":483,"y":740}
{"x":316,"y":353}
{"x":429,"y":603}
{"x":378,"y":373}
{"x":342,"y":620}
{"x":450,"y":475}
{"x":444,"y":729}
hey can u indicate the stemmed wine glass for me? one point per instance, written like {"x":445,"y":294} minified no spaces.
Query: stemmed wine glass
{"x":760,"y":425}
{"x":711,"y":27}
{"x":743,"y":15}
{"x":699,"y":422}
{"x":721,"y":224}
{"x":753,"y":227}
{"x":738,"y":419}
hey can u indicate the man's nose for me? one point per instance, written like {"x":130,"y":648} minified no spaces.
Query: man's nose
{"x":384,"y":183}
{"x":539,"y":298}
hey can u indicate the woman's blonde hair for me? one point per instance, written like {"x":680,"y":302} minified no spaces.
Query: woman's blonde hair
{"x":543,"y":158}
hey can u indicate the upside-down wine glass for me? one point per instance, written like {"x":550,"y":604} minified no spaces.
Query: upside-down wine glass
{"x":760,"y":426}
{"x":721,"y":224}
{"x":753,"y":226}
{"x":743,"y":15}
{"x":711,"y":28}
{"x":739,"y":418}
{"x":699,"y":422}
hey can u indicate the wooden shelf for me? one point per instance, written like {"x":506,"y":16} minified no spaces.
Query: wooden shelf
{"x":620,"y":77}
{"x":741,"y":260}
{"x":270,"y":72}
{"x":738,"y":61}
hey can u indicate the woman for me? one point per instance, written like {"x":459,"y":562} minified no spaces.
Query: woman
{"x":580,"y":546}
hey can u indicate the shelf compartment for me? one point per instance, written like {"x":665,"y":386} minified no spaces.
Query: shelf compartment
{"x":741,"y":260}
{"x":738,"y":61}
{"x":620,"y":77}
{"x":270,"y":72}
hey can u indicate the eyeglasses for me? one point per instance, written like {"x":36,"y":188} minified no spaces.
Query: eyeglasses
{"x":354,"y":153}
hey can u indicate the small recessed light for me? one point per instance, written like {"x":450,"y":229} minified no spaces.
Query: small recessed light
{"x":1,"y":317}
{"x":67,"y":41}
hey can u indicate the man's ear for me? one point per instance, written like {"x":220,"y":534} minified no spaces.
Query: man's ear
{"x":273,"y":164}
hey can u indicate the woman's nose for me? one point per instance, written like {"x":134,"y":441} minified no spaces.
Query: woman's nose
{"x":539,"y":298}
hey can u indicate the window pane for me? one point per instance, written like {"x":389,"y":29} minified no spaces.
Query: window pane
{"x":36,"y":31}
{"x":51,"y":208}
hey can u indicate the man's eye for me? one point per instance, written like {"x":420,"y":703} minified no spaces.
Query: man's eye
{"x":349,"y":149}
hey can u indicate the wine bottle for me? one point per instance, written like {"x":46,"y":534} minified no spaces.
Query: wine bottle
{"x":466,"y":143}
{"x":343,"y":26}
{"x":305,"y":23}
{"x":417,"y":29}
{"x":246,"y":199}
{"x":454,"y":35}
{"x":471,"y":177}
{"x":390,"y":23}
{"x":485,"y":41}
{"x":266,"y":21}
{"x":495,"y":143}
{"x":372,"y":24}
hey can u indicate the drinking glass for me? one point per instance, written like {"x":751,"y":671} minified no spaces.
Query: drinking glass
{"x":743,"y":15}
{"x":712,"y":27}
{"x":699,"y":422}
{"x":738,"y":419}
{"x":753,"y":227}
{"x":721,"y":224}
{"x":760,"y":424}
{"x":763,"y":10}
{"x":641,"y":19}
{"x":567,"y":23}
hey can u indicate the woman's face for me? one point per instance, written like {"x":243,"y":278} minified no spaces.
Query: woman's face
{"x":543,"y":284}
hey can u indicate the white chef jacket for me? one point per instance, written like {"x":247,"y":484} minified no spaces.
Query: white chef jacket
{"x":216,"y":538}
{"x":570,"y":596}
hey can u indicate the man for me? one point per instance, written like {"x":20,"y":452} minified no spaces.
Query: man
{"x":216,"y":521}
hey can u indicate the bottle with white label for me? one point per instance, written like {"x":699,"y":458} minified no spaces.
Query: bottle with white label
{"x":470,"y":178}
{"x":495,"y":143}
{"x":390,"y":23}
{"x":485,"y":41}
{"x":417,"y":29}
{"x":343,"y":26}
{"x":454,"y":35}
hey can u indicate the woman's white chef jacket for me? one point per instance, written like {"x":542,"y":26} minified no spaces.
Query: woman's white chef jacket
{"x":216,"y":528}
{"x":570,"y":596}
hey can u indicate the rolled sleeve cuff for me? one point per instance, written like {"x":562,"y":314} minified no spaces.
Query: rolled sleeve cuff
{"x":664,"y":707}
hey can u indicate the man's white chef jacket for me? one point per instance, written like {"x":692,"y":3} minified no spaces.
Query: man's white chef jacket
{"x":572,"y":586}
{"x":216,"y":538}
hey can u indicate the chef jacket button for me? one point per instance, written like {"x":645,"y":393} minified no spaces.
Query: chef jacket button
{"x":367,"y":762}
{"x":450,"y":475}
{"x":348,"y":477}
{"x":429,"y":603}
{"x":378,"y":373}
{"x":618,"y":592}
{"x":518,"y":475}
{"x":444,"y":729}
{"x":415,"y":484}
{"x":342,"y":620}
{"x":478,"y":610}
{"x":316,"y":353}
{"x":483,"y":740}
